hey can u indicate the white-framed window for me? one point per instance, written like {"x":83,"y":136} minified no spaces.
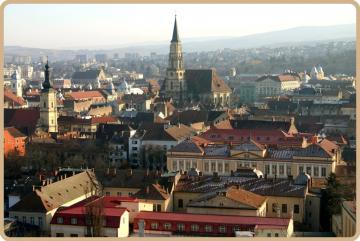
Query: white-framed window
{"x":59,"y":220}
{"x":316,"y":171}
{"x":222,"y":229}
{"x":175,"y":167}
{"x":301,"y":169}
{"x":154,"y":225}
{"x":281,"y":170}
{"x":167,"y":225}
{"x":206,"y":166}
{"x":73,"y":221}
{"x":213,"y":166}
{"x":227,"y":167}
{"x":208,"y":228}
{"x":273,"y":171}
{"x":220,"y":167}
{"x":194,"y":227}
{"x":323,"y":171}
{"x":181,"y":227}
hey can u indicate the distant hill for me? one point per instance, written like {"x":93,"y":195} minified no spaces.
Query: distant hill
{"x":293,"y":36}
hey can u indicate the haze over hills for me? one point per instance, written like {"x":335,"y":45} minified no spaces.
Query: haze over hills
{"x":293,"y":36}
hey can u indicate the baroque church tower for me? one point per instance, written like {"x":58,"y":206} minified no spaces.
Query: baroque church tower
{"x":175,"y":85}
{"x":48,"y":105}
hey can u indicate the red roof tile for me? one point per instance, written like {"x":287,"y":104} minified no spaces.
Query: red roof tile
{"x":86,"y":94}
{"x":11,"y":97}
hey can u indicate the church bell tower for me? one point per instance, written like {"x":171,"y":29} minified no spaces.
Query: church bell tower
{"x":174,"y":84}
{"x":48,"y":105}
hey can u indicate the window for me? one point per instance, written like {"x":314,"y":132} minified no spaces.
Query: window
{"x":59,"y":234}
{"x":74,"y":235}
{"x":158,"y":207}
{"x":296,"y":208}
{"x":316,"y":171}
{"x":134,"y":148}
{"x":32,"y":220}
{"x":269,"y":234}
{"x":301,"y":169}
{"x":206,"y":166}
{"x":213,"y":166}
{"x":220,"y":167}
{"x":16,"y":218}
{"x":267,"y":169}
{"x":24,"y":219}
{"x":44,"y":105}
{"x":274,"y":207}
{"x":222,"y":229}
{"x":254,"y":165}
{"x":276,"y":235}
{"x":308,"y":170}
{"x":154,"y":225}
{"x":187,"y":165}
{"x":236,"y":228}
{"x":167,"y":225}
{"x":134,"y":142}
{"x":208,"y":228}
{"x":194,"y":227}
{"x":175,"y":165}
{"x":284,"y":208}
{"x":59,"y":220}
{"x":118,"y":193}
{"x":323,"y":171}
{"x":273,"y":169}
{"x":288,"y":170}
{"x":107,"y":193}
{"x":181,"y":227}
{"x":281,"y":170}
{"x":246,"y":164}
{"x":180,"y":203}
{"x":73,"y":221}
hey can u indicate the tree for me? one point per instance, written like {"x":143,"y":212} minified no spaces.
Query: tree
{"x":94,"y":210}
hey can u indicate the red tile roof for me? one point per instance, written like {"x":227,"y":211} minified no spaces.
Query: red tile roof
{"x":205,"y":218}
{"x":23,"y":119}
{"x":86,"y":95}
{"x":11,"y":97}
{"x":110,"y":211}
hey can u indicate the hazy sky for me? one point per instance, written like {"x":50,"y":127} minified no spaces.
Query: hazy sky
{"x":81,"y":26}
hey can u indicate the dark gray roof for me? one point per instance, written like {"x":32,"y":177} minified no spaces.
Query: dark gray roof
{"x":186,"y":146}
{"x":175,"y":36}
{"x":260,"y":186}
{"x":88,"y":74}
{"x":313,"y":150}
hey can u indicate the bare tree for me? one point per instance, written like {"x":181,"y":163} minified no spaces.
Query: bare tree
{"x":94,"y":210}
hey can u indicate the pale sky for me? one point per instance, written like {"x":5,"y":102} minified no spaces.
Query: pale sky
{"x":90,"y":25}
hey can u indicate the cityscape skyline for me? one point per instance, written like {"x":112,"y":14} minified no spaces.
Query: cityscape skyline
{"x":82,"y":25}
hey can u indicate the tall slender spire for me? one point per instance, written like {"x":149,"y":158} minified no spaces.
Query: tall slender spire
{"x":175,"y":37}
{"x":46,"y":84}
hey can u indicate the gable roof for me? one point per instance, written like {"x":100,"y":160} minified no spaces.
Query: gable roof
{"x":280,"y":78}
{"x":313,"y":150}
{"x":187,"y":146}
{"x":58,"y":193}
{"x":188,"y":117}
{"x":152,"y":192}
{"x":205,"y":81}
